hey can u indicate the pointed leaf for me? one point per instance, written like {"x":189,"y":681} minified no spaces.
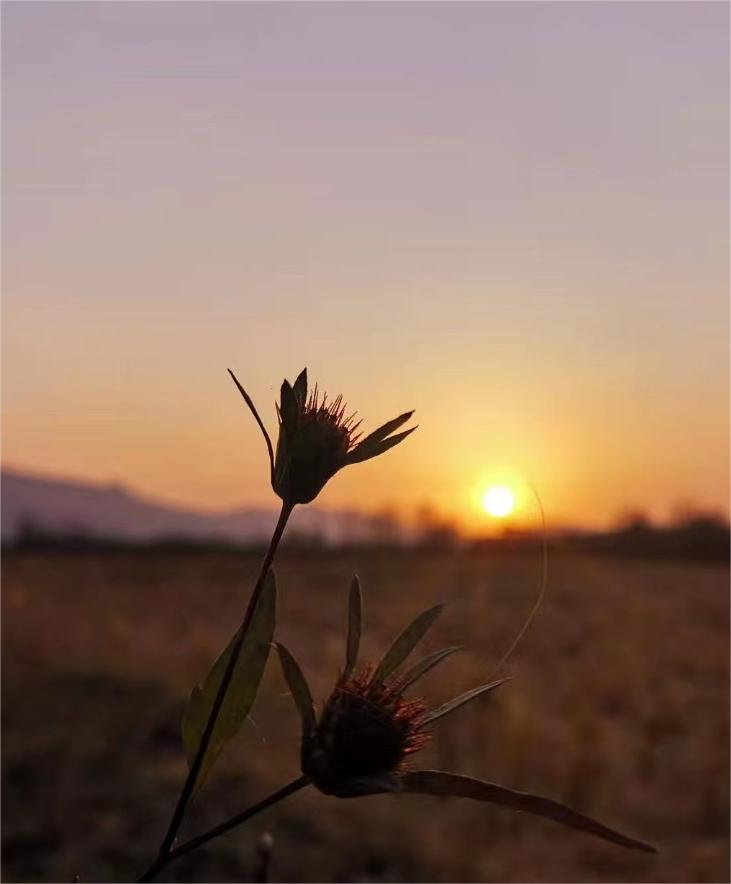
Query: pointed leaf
{"x":386,"y":429}
{"x":436,"y":782}
{"x":300,"y":388}
{"x":363,"y":452}
{"x":425,"y":664}
{"x":406,"y":642}
{"x":297,"y":684}
{"x":355,"y":618}
{"x":446,"y":708}
{"x":242,"y":688}
{"x":252,"y":408}
{"x":289,"y":409}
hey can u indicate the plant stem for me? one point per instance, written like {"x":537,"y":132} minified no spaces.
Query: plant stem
{"x":237,"y":820}
{"x":156,"y":867}
{"x":242,"y":817}
{"x":195,"y":767}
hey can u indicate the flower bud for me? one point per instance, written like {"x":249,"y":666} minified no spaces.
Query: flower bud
{"x":316,"y":440}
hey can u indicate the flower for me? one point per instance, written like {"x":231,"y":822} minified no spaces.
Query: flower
{"x":364,"y":738}
{"x":367,"y":729}
{"x":316,"y":440}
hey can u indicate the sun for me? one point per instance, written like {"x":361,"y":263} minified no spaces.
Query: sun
{"x":498,"y":501}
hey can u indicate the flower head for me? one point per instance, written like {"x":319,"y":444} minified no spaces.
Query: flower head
{"x":367,"y":731}
{"x":316,"y":439}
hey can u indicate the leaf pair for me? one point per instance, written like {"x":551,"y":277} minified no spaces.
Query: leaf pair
{"x":376,"y":443}
{"x":401,"y":647}
{"x":405,"y":643}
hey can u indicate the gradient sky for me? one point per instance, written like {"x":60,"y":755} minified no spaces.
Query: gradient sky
{"x":512,"y":217}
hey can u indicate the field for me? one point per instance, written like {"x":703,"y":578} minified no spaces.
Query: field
{"x":619,"y":706}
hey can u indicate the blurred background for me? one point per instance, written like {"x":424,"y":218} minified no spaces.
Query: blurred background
{"x":512,"y":217}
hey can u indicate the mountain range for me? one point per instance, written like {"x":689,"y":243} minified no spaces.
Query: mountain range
{"x":60,"y":506}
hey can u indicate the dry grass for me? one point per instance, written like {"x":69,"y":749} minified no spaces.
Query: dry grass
{"x":620,"y":707}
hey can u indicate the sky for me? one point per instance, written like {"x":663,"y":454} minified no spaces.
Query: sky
{"x":512,"y":217}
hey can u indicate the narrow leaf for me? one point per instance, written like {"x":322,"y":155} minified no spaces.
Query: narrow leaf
{"x":446,"y":708}
{"x":288,"y":407}
{"x":406,"y":642}
{"x":297,"y":684}
{"x":366,"y":452}
{"x":436,"y":782}
{"x":355,"y":619}
{"x":252,"y":408}
{"x":386,"y":429}
{"x":425,"y":664}
{"x":300,"y":388}
{"x":242,"y":688}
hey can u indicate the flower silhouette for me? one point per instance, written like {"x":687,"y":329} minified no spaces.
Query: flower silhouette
{"x":367,"y":732}
{"x":316,"y":440}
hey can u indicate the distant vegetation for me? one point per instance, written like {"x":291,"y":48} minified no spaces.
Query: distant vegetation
{"x":696,"y":536}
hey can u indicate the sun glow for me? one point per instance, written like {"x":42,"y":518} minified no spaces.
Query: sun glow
{"x":498,"y":501}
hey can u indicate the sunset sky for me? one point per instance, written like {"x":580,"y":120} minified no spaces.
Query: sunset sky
{"x":512,"y":217}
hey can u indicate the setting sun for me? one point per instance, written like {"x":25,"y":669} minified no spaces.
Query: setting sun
{"x":498,"y":501}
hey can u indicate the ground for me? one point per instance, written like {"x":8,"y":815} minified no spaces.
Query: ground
{"x":619,"y":706}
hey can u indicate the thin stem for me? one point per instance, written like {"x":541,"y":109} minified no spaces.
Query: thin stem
{"x":156,"y":867}
{"x":195,"y":767}
{"x":240,"y":818}
{"x":541,"y":592}
{"x":237,"y":820}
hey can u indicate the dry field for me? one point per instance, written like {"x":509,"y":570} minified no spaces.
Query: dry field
{"x":619,"y":706}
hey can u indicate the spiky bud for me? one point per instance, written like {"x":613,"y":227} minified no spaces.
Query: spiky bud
{"x":365,"y":734}
{"x":316,"y":439}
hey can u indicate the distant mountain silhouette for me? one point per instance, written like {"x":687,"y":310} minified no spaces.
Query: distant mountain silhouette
{"x":53,"y":506}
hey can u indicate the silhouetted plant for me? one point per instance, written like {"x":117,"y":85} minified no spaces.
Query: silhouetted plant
{"x":368,"y":730}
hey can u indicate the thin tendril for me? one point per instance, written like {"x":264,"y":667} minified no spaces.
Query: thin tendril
{"x":541,"y":593}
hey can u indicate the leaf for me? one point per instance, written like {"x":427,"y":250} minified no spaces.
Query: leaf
{"x":437,"y":782}
{"x":242,"y":688}
{"x":288,"y":407}
{"x":386,"y":429}
{"x":425,"y":664}
{"x":300,"y":388}
{"x":366,"y":452}
{"x":355,"y":619}
{"x":446,"y":708}
{"x":297,"y":684}
{"x":406,"y":642}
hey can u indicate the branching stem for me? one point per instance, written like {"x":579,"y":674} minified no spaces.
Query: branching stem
{"x":187,"y":790}
{"x":240,"y":818}
{"x":237,"y":820}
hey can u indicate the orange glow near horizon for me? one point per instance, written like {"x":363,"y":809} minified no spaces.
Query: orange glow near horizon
{"x":182,"y":436}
